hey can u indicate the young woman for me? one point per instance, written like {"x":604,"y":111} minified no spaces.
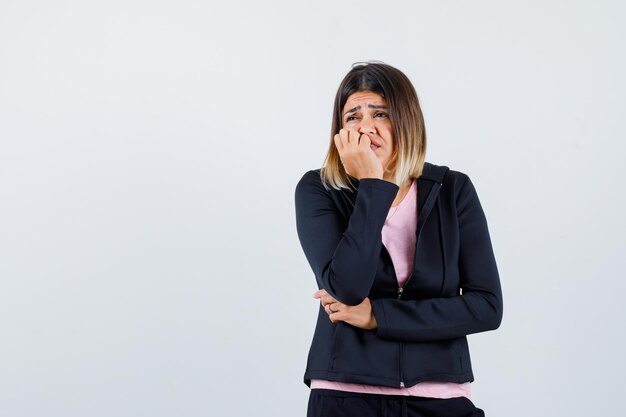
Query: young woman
{"x":402,"y":257}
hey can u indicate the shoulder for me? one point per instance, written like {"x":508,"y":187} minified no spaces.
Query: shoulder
{"x":456,"y":185}
{"x":311,"y":178}
{"x":457,"y":179}
{"x":310,"y":185}
{"x":448,"y":177}
{"x":311,"y":175}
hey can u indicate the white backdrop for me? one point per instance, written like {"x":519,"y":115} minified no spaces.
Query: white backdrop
{"x":149,"y":151}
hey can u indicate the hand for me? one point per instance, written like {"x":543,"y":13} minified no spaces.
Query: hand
{"x":360,"y":316}
{"x":359,"y":160}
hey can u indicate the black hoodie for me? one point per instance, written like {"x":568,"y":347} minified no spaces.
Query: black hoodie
{"x":454,"y":288}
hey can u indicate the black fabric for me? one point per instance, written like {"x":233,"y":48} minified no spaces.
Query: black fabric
{"x":453,"y":290}
{"x":331,"y":403}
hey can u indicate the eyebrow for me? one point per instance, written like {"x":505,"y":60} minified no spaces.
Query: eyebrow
{"x":371,"y":106}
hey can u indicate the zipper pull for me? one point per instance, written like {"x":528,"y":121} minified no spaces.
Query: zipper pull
{"x":400,"y":289}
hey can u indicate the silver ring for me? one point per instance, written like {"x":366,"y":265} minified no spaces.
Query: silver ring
{"x":329,"y":309}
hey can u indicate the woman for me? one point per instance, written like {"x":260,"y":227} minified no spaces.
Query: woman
{"x":403,"y":260}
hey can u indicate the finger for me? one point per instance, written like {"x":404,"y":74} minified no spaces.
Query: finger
{"x":335,"y":307}
{"x":333,"y":317}
{"x":343,"y":135}
{"x":365,"y":140}
{"x":353,"y":138}
{"x":327,"y":299}
{"x":328,"y":309}
{"x":319,"y":293}
{"x":341,"y":315}
{"x":324,"y":301}
{"x":338,"y":143}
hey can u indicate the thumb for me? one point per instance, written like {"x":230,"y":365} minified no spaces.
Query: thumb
{"x":366,"y":142}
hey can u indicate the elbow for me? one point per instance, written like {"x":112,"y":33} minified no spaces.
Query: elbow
{"x":346,"y":290}
{"x":354,"y":300}
{"x":494,"y":318}
{"x":349,"y":298}
{"x":486,"y":311}
{"x":495,"y":321}
{"x":489,"y":315}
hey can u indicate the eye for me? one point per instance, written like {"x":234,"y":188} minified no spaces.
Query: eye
{"x":382,"y":114}
{"x":349,"y":118}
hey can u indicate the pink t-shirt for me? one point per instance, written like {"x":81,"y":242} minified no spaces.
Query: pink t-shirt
{"x":398,"y":235}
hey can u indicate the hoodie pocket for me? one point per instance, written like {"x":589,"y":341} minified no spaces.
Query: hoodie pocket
{"x":360,"y":352}
{"x":430,"y":359}
{"x":334,"y":346}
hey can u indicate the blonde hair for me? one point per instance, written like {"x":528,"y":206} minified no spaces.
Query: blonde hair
{"x":405,"y":115}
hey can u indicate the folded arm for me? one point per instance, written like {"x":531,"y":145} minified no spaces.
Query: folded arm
{"x":478,"y":309}
{"x":344,"y":257}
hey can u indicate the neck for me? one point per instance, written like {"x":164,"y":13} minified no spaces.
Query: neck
{"x":390,"y":178}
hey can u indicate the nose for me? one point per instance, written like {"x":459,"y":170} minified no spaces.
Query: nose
{"x":367,"y":126}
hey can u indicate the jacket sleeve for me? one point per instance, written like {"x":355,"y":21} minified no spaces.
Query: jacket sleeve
{"x":344,"y":258}
{"x":479,"y":307}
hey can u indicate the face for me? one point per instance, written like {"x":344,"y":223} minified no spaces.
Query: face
{"x":367,"y":112}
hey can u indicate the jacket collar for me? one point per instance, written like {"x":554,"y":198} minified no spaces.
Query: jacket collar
{"x":432,"y":172}
{"x":432,"y":175}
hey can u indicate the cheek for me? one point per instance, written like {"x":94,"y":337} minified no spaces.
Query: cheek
{"x":387,"y":129}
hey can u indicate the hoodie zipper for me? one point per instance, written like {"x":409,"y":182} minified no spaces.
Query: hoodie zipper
{"x":401,"y":369}
{"x":428,"y":206}
{"x":401,"y":288}
{"x":426,"y":209}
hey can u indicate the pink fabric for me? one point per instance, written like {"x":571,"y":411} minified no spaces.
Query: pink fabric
{"x":398,"y":235}
{"x":422,"y":389}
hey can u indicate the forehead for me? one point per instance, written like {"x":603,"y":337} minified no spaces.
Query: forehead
{"x":364,"y":97}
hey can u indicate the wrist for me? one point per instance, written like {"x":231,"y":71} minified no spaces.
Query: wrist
{"x":372,"y":323}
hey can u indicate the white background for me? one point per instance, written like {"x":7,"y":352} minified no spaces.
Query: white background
{"x":149,"y":150}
